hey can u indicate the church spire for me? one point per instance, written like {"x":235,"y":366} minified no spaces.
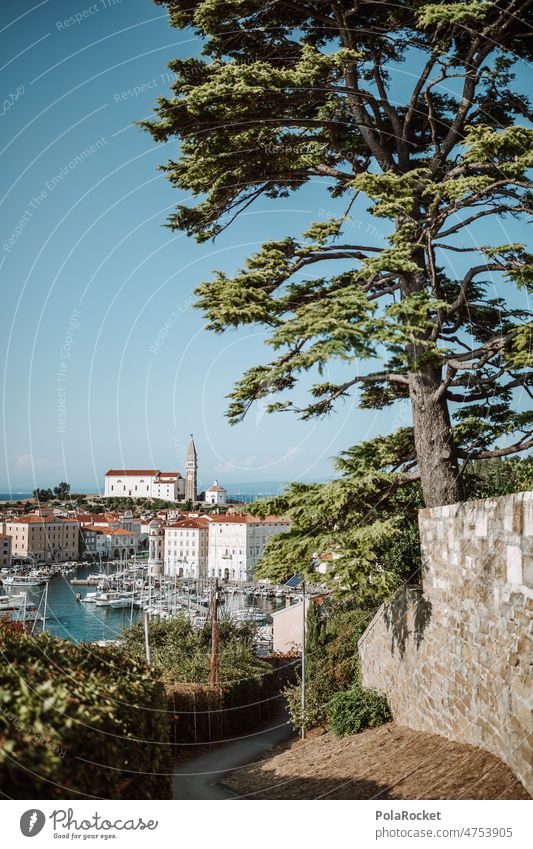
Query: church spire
{"x":191,"y":472}
{"x":191,"y":450}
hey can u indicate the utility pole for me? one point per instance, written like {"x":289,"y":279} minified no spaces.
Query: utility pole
{"x":147,"y":640}
{"x":303,"y":663}
{"x":213,"y":666}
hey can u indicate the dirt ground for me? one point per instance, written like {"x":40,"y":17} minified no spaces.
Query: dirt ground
{"x":389,"y":762}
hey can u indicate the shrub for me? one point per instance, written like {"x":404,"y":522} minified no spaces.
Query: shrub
{"x":332,"y":660}
{"x":355,"y":709}
{"x":181,"y":653}
{"x":79,"y":721}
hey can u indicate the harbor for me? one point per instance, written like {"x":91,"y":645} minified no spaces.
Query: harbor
{"x":95,"y":603}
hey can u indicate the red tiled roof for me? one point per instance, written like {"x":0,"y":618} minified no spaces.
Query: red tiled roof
{"x":125,"y":472}
{"x":102,"y":529}
{"x":195,"y":524}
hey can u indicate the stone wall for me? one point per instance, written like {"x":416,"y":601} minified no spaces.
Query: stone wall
{"x":455,"y":657}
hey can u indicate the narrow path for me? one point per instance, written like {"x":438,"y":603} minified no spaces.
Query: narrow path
{"x":197,"y":777}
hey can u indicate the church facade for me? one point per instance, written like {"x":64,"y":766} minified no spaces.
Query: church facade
{"x":154,"y":483}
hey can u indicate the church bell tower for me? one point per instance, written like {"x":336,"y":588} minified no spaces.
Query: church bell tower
{"x":191,"y":472}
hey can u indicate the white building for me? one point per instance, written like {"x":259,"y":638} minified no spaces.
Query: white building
{"x":287,"y":628}
{"x":156,"y":544}
{"x":144,"y":483}
{"x":186,"y":548}
{"x":215,"y":494}
{"x":237,"y":542}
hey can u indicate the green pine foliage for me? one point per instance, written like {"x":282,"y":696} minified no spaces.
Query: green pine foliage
{"x":366,"y":520}
{"x":284,"y":94}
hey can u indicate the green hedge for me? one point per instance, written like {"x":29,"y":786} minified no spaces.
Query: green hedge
{"x":79,"y":721}
{"x":203,"y":713}
{"x":356,"y":709}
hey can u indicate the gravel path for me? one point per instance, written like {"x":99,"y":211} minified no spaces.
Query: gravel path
{"x":390,"y":762}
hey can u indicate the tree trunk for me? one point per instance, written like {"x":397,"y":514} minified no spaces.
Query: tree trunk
{"x":435,"y":449}
{"x":434,"y":444}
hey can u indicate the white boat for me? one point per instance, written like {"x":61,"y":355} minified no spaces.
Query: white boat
{"x":106,"y":599}
{"x":121,"y":602}
{"x":12,"y":602}
{"x":249,"y":614}
{"x":89,"y":598}
{"x":23,"y":581}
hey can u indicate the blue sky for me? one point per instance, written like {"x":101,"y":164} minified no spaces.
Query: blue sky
{"x":106,"y":363}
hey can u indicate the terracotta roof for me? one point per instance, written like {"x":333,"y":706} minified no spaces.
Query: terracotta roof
{"x":195,"y":524}
{"x":102,"y":529}
{"x":126,"y":472}
{"x":92,"y":517}
{"x":216,"y":489}
{"x":95,"y":529}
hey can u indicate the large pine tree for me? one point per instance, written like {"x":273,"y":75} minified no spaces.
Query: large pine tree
{"x":288,"y":92}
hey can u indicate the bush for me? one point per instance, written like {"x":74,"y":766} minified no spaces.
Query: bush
{"x":78,"y":721}
{"x":249,"y":688}
{"x":356,"y":709}
{"x":181,"y":653}
{"x":332,"y":659}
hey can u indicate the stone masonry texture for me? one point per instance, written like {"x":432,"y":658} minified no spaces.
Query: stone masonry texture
{"x":455,"y":657}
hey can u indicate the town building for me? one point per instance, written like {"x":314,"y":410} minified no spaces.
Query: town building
{"x":107,"y":541}
{"x":153,"y":483}
{"x":110,"y":520}
{"x":5,"y":551}
{"x":186,"y":548}
{"x":144,"y":483}
{"x":215,"y":495}
{"x":237,"y":542}
{"x":93,"y":541}
{"x":43,"y":536}
{"x":287,"y":627}
{"x":156,"y":547}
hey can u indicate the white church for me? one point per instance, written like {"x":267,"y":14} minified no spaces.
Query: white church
{"x":168,"y":486}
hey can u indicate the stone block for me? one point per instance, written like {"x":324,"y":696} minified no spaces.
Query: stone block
{"x":514,"y":564}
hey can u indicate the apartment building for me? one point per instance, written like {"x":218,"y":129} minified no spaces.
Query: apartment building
{"x":43,"y":536}
{"x":237,"y":542}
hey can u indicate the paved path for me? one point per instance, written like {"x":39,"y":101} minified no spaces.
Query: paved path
{"x":197,"y":777}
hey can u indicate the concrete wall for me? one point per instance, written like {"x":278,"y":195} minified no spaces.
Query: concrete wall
{"x":287,"y":627}
{"x":456,"y":658}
